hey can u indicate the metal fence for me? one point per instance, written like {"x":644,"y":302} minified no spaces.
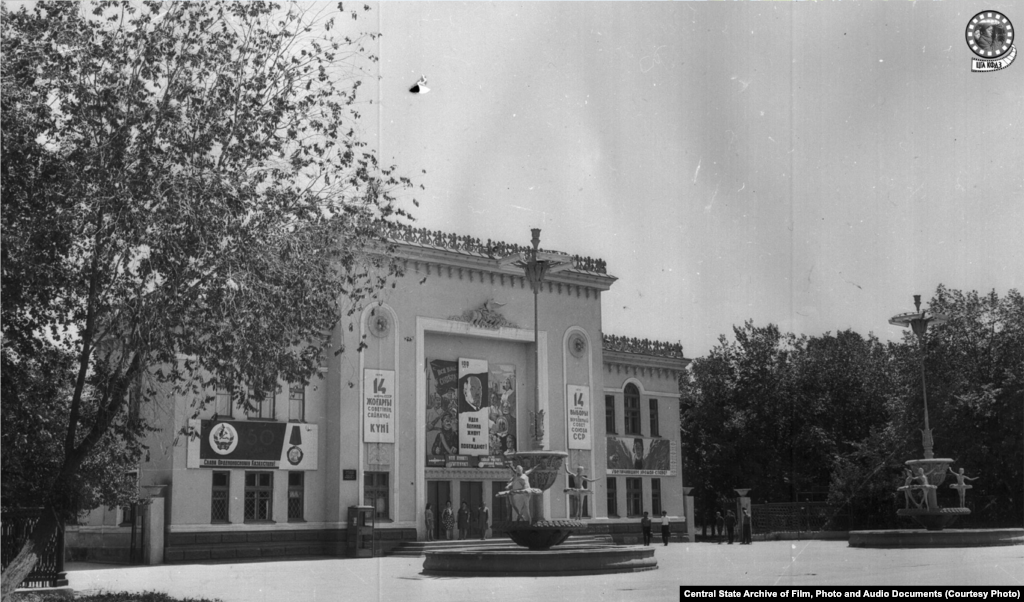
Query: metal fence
{"x":17,"y":527}
{"x":791,"y":517}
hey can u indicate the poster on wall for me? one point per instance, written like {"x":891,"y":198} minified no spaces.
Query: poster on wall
{"x":442,"y":415}
{"x":442,"y":411}
{"x":640,"y":456}
{"x":243,"y":444}
{"x":577,"y":401}
{"x":473,"y":408}
{"x":379,"y":406}
{"x":502,"y":411}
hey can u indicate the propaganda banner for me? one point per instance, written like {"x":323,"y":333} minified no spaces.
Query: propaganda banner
{"x":502,"y":411}
{"x":379,"y":406}
{"x":244,"y":444}
{"x":577,"y":401}
{"x":641,"y":456}
{"x":442,"y":411}
{"x":474,"y":434}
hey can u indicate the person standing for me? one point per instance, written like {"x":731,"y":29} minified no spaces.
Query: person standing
{"x":428,"y":516}
{"x":730,"y":525}
{"x":645,"y":526}
{"x":464,"y":518}
{"x":447,"y":519}
{"x":664,"y":527}
{"x":719,"y":525}
{"x":483,"y":515}
{"x":745,"y":527}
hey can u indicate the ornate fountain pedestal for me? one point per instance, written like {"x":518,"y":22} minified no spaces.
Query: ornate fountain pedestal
{"x":927,"y":512}
{"x":533,"y":555}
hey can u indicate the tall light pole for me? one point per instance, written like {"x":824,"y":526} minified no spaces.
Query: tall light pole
{"x":537,"y":264}
{"x":918,"y":322}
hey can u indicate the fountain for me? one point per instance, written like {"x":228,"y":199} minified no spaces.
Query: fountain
{"x":924,"y":477}
{"x":535,"y":538}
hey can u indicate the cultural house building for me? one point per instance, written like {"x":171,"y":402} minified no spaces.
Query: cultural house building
{"x":440,"y":380}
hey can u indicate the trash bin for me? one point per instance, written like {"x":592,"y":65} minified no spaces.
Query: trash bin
{"x":360,"y":531}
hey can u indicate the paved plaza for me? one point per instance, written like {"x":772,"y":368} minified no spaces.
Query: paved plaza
{"x":784,"y":563}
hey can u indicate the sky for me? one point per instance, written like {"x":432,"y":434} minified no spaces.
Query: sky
{"x":810,"y":165}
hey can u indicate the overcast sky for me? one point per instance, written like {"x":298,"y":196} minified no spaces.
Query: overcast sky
{"x":810,"y":165}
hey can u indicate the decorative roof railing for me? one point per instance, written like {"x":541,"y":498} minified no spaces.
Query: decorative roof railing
{"x":611,"y":342}
{"x":474,"y":246}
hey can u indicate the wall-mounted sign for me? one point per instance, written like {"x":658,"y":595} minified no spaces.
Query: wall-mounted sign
{"x":577,"y":402}
{"x":238,"y":444}
{"x":379,"y":406}
{"x":348,"y":474}
{"x":474,"y":401}
{"x":639,"y":456}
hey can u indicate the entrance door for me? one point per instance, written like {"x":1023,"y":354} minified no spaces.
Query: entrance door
{"x":472,"y":492}
{"x":438,"y":492}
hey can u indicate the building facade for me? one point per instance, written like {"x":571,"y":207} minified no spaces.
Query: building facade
{"x":440,"y":380}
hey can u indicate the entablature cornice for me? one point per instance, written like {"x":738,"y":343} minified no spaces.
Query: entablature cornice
{"x":634,"y":363}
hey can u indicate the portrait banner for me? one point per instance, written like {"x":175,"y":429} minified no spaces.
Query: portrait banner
{"x":473,"y":408}
{"x":442,"y":411}
{"x":640,"y":456}
{"x":379,"y":406}
{"x":577,"y":400}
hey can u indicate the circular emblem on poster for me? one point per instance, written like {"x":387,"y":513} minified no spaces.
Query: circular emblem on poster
{"x":990,"y":34}
{"x":577,"y":344}
{"x":380,"y":325}
{"x":223,"y":438}
{"x":294,"y":455}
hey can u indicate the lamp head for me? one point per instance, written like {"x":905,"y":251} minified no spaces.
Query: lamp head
{"x":536,"y":237}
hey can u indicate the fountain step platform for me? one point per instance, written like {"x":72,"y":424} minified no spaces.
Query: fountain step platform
{"x":947,"y":538}
{"x":420,"y":548}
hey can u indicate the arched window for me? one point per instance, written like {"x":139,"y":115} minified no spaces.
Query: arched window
{"x":632,"y":409}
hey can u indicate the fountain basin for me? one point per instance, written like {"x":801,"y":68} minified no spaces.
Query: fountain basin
{"x":948,"y":538}
{"x":539,"y":535}
{"x":514,"y":561}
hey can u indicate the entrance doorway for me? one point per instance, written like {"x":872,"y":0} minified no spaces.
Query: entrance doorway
{"x":472,"y":492}
{"x":439,"y":492}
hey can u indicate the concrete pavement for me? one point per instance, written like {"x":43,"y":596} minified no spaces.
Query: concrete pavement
{"x":787,"y":563}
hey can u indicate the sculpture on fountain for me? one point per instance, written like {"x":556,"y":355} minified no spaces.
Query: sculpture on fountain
{"x":519,"y":493}
{"x":580,"y":491}
{"x":960,"y":486}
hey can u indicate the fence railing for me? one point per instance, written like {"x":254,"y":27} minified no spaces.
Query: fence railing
{"x":17,"y":527}
{"x":791,"y":517}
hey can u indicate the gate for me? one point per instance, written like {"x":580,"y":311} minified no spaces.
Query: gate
{"x":17,"y":527}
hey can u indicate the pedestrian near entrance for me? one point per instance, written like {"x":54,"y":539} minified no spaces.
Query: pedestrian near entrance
{"x":664,"y":527}
{"x":483,"y":515}
{"x":730,"y":525}
{"x":719,"y":526}
{"x":428,"y":516}
{"x":464,"y":518}
{"x":746,"y":527}
{"x":448,"y":519}
{"x":645,"y":526}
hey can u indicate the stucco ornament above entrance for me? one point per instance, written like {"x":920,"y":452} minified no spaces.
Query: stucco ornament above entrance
{"x":379,"y":324}
{"x":485,"y":316}
{"x":577,"y":344}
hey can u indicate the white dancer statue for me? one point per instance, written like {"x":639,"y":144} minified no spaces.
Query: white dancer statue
{"x":520,"y":493}
{"x":960,"y":486}
{"x":580,"y":491}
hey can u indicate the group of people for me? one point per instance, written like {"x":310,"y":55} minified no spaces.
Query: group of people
{"x":727,"y":524}
{"x":646,"y":527}
{"x":463,"y":518}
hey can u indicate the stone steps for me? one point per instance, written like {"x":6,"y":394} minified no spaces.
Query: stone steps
{"x":420,"y":548}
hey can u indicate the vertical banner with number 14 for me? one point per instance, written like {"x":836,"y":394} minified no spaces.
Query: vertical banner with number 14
{"x":379,"y":406}
{"x":577,"y":401}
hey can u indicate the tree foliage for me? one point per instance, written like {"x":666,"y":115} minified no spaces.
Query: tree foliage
{"x":187,"y":204}
{"x":794,"y":417}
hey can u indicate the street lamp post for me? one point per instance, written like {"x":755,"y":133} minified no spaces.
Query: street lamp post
{"x":918,"y":322}
{"x":537,"y":264}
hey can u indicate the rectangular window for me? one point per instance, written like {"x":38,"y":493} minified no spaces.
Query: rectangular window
{"x":609,"y":414}
{"x":296,"y":495}
{"x":632,"y":414}
{"x":634,"y":496}
{"x":219,"y":497}
{"x":222,"y":405}
{"x":375,"y":492}
{"x":296,"y":402}
{"x":654,"y":418}
{"x":613,"y":497}
{"x":259,"y":496}
{"x":656,"y":497}
{"x":263,"y":408}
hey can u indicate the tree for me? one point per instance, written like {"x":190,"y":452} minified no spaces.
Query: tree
{"x":187,"y":204}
